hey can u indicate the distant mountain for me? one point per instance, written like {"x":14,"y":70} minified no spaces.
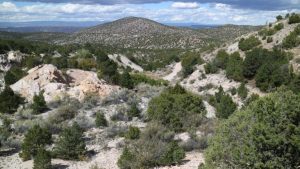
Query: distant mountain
{"x":50,"y":24}
{"x":227,"y":33}
{"x":134,"y":32}
{"x":65,"y":29}
{"x":129,"y":32}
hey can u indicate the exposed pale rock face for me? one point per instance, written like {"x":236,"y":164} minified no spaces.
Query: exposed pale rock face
{"x":15,"y":56}
{"x":85,"y":82}
{"x":56,"y":85}
{"x":7,"y":59}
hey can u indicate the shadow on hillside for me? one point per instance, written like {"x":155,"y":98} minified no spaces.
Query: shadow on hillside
{"x":59,"y":166}
{"x":8,"y":152}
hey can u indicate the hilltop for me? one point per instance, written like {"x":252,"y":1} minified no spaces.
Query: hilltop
{"x":135,"y":32}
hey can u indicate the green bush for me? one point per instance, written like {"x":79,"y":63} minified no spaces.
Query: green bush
{"x":224,"y":104}
{"x":279,"y":18}
{"x":83,"y":53}
{"x":279,"y":26}
{"x":9,"y":101}
{"x":133,"y":133}
{"x":5,"y":130}
{"x":295,"y":84}
{"x":125,"y":80}
{"x":86,"y":64}
{"x":188,"y":62}
{"x":177,"y":109}
{"x":253,"y":60}
{"x":249,"y":43}
{"x":42,"y":160}
{"x":292,"y":40}
{"x":35,"y":138}
{"x":221,"y":59}
{"x":101,"y":120}
{"x":272,"y":75}
{"x":210,"y":68}
{"x":70,"y":144}
{"x":126,"y":159}
{"x":173,"y":155}
{"x":141,"y":78}
{"x":242,"y":91}
{"x":13,"y":75}
{"x":294,"y":18}
{"x":258,"y":57}
{"x":251,"y":99}
{"x":107,"y":70}
{"x":133,"y":111}
{"x":264,"y":134}
{"x":269,"y":40}
{"x":39,"y":103}
{"x":234,"y":67}
{"x":31,"y":61}
{"x":154,"y":148}
{"x":267,"y":32}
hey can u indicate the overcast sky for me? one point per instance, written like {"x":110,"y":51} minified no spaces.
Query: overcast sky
{"x":254,"y":12}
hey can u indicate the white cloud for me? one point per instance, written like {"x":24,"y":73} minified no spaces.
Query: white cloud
{"x":220,"y":6}
{"x":185,"y":5}
{"x":8,"y":7}
{"x":196,"y":13}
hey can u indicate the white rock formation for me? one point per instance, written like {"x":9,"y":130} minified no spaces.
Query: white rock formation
{"x":85,"y":82}
{"x":56,"y":84}
{"x":7,"y":59}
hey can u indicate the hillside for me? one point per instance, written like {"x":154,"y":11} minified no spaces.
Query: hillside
{"x":133,"y":32}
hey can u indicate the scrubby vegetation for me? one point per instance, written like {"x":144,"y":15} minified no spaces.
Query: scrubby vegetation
{"x":70,"y":145}
{"x":269,"y":135}
{"x":292,"y":40}
{"x":35,"y":138}
{"x":133,"y":111}
{"x":13,"y":75}
{"x":221,"y":59}
{"x":242,"y":91}
{"x":101,"y":120}
{"x":133,"y":133}
{"x":234,"y":67}
{"x":249,"y":43}
{"x":294,"y":18}
{"x":224,"y":104}
{"x":141,"y":78}
{"x":154,"y":148}
{"x":279,"y":26}
{"x":177,"y":109}
{"x":189,"y":60}
{"x":39,"y":103}
{"x":9,"y":101}
{"x":42,"y":160}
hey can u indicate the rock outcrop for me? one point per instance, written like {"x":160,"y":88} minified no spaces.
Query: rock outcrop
{"x":10,"y":57}
{"x":56,"y":84}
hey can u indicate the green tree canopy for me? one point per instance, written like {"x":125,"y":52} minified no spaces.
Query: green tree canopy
{"x":265,"y":134}
{"x":35,"y":138}
{"x":249,"y":43}
{"x":9,"y":101}
{"x":70,"y":145}
{"x":42,"y":160}
{"x":39,"y":103}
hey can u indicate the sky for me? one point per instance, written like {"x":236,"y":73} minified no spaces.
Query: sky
{"x":243,"y":12}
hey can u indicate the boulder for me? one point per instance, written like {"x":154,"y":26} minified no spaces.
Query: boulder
{"x":86,"y":82}
{"x":56,"y":84}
